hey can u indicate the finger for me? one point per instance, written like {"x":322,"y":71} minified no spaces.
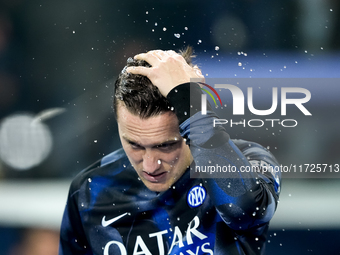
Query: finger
{"x":151,"y":57}
{"x":161,"y":54}
{"x":142,"y":70}
{"x":172,"y":53}
{"x":198,"y":71}
{"x":158,"y":52}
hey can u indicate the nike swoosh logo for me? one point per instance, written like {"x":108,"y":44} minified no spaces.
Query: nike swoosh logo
{"x":105,"y":223}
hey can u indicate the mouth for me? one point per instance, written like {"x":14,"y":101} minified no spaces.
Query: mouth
{"x":152,"y":177}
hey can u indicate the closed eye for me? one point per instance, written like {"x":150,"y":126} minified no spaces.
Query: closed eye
{"x":164,"y":145}
{"x":135,"y":146}
{"x":167,"y":146}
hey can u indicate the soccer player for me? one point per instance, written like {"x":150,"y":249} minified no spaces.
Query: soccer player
{"x":141,"y":199}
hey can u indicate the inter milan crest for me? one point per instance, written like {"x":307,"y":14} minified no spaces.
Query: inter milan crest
{"x":196,"y":196}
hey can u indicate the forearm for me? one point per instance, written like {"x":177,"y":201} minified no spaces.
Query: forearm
{"x":243,"y":199}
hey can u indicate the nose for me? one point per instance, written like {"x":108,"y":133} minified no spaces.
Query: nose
{"x":151,"y":162}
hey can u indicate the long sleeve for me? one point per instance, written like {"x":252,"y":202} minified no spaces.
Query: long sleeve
{"x":244,"y":199}
{"x":72,"y":236}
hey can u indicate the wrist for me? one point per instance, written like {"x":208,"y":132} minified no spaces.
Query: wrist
{"x":186,"y":100}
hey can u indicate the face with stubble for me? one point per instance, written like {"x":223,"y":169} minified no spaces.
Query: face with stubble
{"x":154,"y":147}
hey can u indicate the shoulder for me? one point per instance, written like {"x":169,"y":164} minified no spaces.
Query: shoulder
{"x":108,"y":169}
{"x":255,"y":151}
{"x":113,"y":157}
{"x":244,"y":145}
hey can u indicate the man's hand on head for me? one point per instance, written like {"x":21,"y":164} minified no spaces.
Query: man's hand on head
{"x":168,"y":70}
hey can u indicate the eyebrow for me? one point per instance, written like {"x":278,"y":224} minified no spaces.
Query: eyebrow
{"x":154,"y":145}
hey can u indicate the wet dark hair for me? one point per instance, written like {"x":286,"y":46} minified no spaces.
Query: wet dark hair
{"x":137,"y":92}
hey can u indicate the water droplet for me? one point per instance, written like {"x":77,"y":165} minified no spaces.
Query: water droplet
{"x":95,"y":141}
{"x":254,"y":213}
{"x":239,"y":64}
{"x":185,"y":28}
{"x":217,"y":48}
{"x":177,"y":35}
{"x":256,"y":238}
{"x":89,"y":180}
{"x":156,"y":24}
{"x":185,"y":113}
{"x":159,"y":162}
{"x":164,"y":28}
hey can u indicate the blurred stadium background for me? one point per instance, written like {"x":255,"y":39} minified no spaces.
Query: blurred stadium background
{"x":58,"y":61}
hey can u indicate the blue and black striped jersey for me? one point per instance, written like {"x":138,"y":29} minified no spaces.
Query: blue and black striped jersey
{"x":110,"y":210}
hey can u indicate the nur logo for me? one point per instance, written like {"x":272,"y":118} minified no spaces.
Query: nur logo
{"x":238,"y":99}
{"x":204,"y":97}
